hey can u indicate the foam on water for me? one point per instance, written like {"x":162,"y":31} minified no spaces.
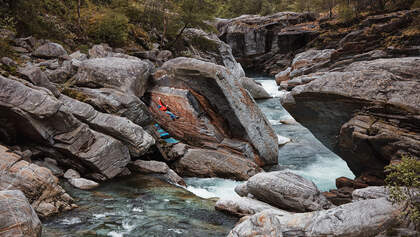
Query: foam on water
{"x":324,"y":166}
{"x":271,"y":87}
{"x":212,"y":187}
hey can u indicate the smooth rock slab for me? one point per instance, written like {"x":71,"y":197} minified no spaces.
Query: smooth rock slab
{"x":287,"y":191}
{"x":243,"y":206}
{"x":17,"y":218}
{"x":71,"y":174}
{"x":82,"y":183}
{"x":364,"y":218}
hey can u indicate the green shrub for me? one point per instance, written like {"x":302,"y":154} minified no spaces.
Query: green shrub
{"x":345,"y":13}
{"x":112,"y":28}
{"x":403,"y":179}
{"x":5,"y":49}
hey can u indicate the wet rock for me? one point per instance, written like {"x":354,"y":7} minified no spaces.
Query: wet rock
{"x":157,"y":167}
{"x":37,"y":77}
{"x":17,"y":216}
{"x":243,"y":206}
{"x":71,"y":174}
{"x":212,"y":108}
{"x":137,"y":140}
{"x":126,"y":75}
{"x":39,"y":185}
{"x":211,"y":163}
{"x":287,"y":191}
{"x":242,"y":190}
{"x":256,"y":91}
{"x":82,"y":183}
{"x":363,"y":218}
{"x":49,"y":50}
{"x":149,"y":167}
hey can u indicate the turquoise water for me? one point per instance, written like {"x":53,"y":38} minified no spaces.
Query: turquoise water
{"x":139,"y":206}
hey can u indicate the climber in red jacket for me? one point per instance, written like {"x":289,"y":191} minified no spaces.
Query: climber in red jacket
{"x":164,"y":108}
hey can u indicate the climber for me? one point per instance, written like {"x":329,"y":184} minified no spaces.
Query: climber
{"x":166,"y":109}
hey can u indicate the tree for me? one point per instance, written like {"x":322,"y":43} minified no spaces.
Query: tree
{"x":403,"y":182}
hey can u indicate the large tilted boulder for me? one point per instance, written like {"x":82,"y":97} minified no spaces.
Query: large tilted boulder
{"x":126,"y":75}
{"x":256,"y":90}
{"x":363,"y":218}
{"x":38,"y":184}
{"x":287,"y":191}
{"x":131,"y":134}
{"x":38,"y":116}
{"x":210,"y":101}
{"x":17,"y":218}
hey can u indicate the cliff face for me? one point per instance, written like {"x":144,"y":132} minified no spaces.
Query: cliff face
{"x":267,"y":43}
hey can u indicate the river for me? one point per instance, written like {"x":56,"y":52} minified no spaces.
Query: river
{"x":147,"y":206}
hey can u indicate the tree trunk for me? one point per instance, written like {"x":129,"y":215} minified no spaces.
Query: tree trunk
{"x":78,"y":15}
{"x":179,"y":35}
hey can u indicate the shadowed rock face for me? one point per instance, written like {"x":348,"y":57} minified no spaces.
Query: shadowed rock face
{"x":38,"y":184}
{"x":264,"y":42}
{"x":215,"y":114}
{"x":362,"y":218}
{"x":17,"y":218}
{"x":385,"y":95}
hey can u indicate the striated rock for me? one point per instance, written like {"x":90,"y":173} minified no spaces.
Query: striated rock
{"x":126,"y":75}
{"x":71,"y":174}
{"x":100,"y":51}
{"x":113,"y":101}
{"x":214,"y":110}
{"x":287,"y":191}
{"x":17,"y":216}
{"x":38,"y":78}
{"x":244,"y":206}
{"x":210,"y":163}
{"x":256,"y":91}
{"x":82,"y":183}
{"x":42,"y":118}
{"x":136,"y":139}
{"x":49,"y":50}
{"x":283,"y":76}
{"x":363,"y":218}
{"x":39,"y":185}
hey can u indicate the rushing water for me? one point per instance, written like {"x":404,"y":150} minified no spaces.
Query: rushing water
{"x":141,"y":206}
{"x":302,"y":153}
{"x":147,"y":206}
